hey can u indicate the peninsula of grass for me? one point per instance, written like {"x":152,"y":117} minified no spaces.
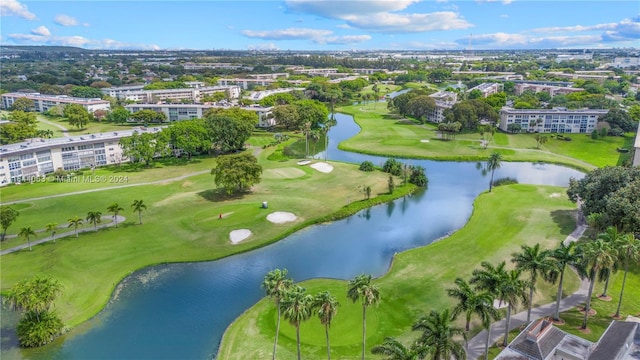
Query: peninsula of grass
{"x":416,"y":283}
{"x":181,"y":224}
{"x":386,"y":134}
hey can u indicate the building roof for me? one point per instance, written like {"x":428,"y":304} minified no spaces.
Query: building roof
{"x":613,"y":340}
{"x":64,"y":98}
{"x":558,"y":110}
{"x":538,"y":340}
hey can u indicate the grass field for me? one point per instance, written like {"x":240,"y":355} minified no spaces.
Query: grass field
{"x":180,"y":224}
{"x":502,"y":221}
{"x":389,"y":135}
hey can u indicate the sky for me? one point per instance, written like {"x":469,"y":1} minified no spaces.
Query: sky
{"x":322,"y":24}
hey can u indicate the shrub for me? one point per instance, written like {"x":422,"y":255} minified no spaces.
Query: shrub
{"x":418,"y":176}
{"x":566,"y":138}
{"x":595,"y":135}
{"x":38,"y":329}
{"x":504,"y":181}
{"x":366,"y":166}
{"x":393,"y":167}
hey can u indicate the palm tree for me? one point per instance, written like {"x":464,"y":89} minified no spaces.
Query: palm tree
{"x":489,"y":277}
{"x":393,"y":349}
{"x":139,"y":205}
{"x":562,"y":256}
{"x":628,"y":250}
{"x":27,"y":233}
{"x":75,"y":222}
{"x":594,"y":255}
{"x":361,"y":287}
{"x":470,"y":301}
{"x":487,"y":315}
{"x":94,"y":217}
{"x":276,"y":286}
{"x":611,"y":236}
{"x":438,"y":331}
{"x":115,"y":208}
{"x":297,"y":307}
{"x":535,"y":262}
{"x":327,"y":306}
{"x":494,"y":163}
{"x":52,"y":228}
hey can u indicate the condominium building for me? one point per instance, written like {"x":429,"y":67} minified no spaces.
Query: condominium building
{"x":33,"y":159}
{"x":225,"y":66}
{"x":550,"y":89}
{"x":625,"y":62}
{"x":193,"y":94}
{"x":259,"y":95}
{"x":119,"y":92}
{"x":487,"y":88}
{"x":556,"y":120}
{"x":636,"y":149}
{"x":177,"y":112}
{"x":444,"y":100}
{"x":43,"y":102}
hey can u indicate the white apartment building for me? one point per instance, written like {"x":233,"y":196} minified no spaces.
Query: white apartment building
{"x":259,"y":95}
{"x":245,"y":83}
{"x":551,"y":90}
{"x":226,"y":66}
{"x":636,"y":150}
{"x":192,"y":94}
{"x":269,"y":76}
{"x":444,"y":100}
{"x":43,"y":102}
{"x":32,"y":159}
{"x":556,"y":120}
{"x":487,"y":88}
{"x":625,"y":62}
{"x":177,"y":112}
{"x":119,"y":92}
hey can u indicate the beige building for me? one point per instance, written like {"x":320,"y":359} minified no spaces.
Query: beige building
{"x":43,"y":102}
{"x":177,"y":112}
{"x":487,"y":88}
{"x":551,"y":90}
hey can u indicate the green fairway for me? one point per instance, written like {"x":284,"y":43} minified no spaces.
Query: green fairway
{"x":502,"y":221}
{"x":387,"y":134}
{"x":180,"y":224}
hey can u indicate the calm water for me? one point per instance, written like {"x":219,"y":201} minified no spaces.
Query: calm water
{"x":180,"y":311}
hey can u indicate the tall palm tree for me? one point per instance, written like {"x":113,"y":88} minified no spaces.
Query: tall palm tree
{"x":115,"y":208}
{"x":75,"y":222}
{"x":27,"y":232}
{"x":493,"y":164}
{"x":362,"y":288}
{"x":94,"y":217}
{"x":594,"y":255}
{"x":276,"y":286}
{"x":537,"y":263}
{"x":562,"y":256}
{"x":438,"y":332}
{"x":611,"y":236}
{"x":327,"y":306}
{"x":139,"y":205}
{"x":393,"y":349}
{"x":52,"y":228}
{"x":297,"y":307}
{"x":489,"y":277}
{"x":628,"y":250}
{"x":488,"y":314}
{"x":470,"y":301}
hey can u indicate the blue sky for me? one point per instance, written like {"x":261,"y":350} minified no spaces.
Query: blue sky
{"x":322,"y":24}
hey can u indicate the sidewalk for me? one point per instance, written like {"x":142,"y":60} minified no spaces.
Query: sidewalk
{"x":120,"y":219}
{"x":475,"y":349}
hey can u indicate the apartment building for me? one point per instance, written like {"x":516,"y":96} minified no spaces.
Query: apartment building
{"x":259,"y":95}
{"x":194,"y":93}
{"x":31,"y":160}
{"x":487,"y":88}
{"x":550,"y":89}
{"x":556,"y":120}
{"x":625,"y":62}
{"x":444,"y":100}
{"x":636,"y":150}
{"x":43,"y":102}
{"x":178,"y":112}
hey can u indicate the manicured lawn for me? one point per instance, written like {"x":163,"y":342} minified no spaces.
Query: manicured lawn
{"x":502,"y":221}
{"x":389,"y":135}
{"x":91,"y":127}
{"x":180,"y":224}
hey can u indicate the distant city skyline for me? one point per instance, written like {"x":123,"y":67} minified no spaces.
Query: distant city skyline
{"x":322,"y":25}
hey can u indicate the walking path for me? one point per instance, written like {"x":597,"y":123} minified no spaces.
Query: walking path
{"x":64,"y":130}
{"x":182,"y":177}
{"x":120,"y":219}
{"x":475,"y":348}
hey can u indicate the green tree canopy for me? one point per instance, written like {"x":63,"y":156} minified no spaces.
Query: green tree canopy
{"x":237,"y":172}
{"x":229,"y":129}
{"x":8,"y":216}
{"x":23,"y":104}
{"x":77,"y":115}
{"x":86,"y":92}
{"x":188,"y":136}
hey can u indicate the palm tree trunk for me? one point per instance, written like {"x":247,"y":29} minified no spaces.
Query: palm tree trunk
{"x":364,"y":328}
{"x":606,"y":286}
{"x":140,"y":216}
{"x":491,"y":182}
{"x":505,"y":342}
{"x":556,"y":315}
{"x":53,"y":236}
{"x":486,"y":345}
{"x":29,"y":242}
{"x":326,"y":333}
{"x":115,"y":218}
{"x":624,"y":280}
{"x":275,"y":344}
{"x":298,"y":339}
{"x":530,"y":303}
{"x":95,"y":226}
{"x":588,"y":304}
{"x":76,"y":230}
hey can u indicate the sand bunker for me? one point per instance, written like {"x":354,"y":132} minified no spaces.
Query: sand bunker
{"x":283,"y":173}
{"x":238,"y":235}
{"x":304,"y":162}
{"x":424,"y":141}
{"x":322,"y":167}
{"x":280,"y":217}
{"x":555,"y":195}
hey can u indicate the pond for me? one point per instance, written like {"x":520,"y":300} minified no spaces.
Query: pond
{"x":182,"y":310}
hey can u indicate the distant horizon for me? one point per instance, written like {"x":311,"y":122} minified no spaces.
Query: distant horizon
{"x":322,"y":25}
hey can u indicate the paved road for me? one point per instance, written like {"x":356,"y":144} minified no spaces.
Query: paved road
{"x":109,"y":218}
{"x":182,"y":177}
{"x":475,"y":349}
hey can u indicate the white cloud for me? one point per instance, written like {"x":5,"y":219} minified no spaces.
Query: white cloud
{"x":504,"y":16}
{"x":79,"y":41}
{"x":41,"y":30}
{"x":65,"y":20}
{"x":575,"y":28}
{"x":626,"y":29}
{"x":264,"y":46}
{"x":13,"y":7}
{"x":287,"y":34}
{"x":505,"y":2}
{"x":345,"y":39}
{"x":380,"y":15}
{"x":420,"y":45}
